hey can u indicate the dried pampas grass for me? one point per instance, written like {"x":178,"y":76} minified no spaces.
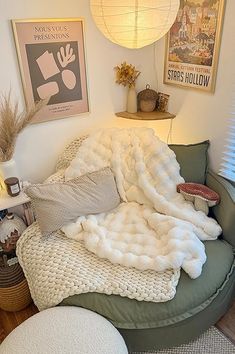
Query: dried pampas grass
{"x":12,"y":122}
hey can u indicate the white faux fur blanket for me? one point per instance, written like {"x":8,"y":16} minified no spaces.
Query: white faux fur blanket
{"x":154,"y":228}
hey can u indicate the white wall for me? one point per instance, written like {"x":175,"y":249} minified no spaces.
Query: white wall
{"x":202,"y":115}
{"x":39,"y":145}
{"x":199,"y":115}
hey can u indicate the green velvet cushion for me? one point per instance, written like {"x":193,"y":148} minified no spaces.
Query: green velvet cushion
{"x":192,"y":296}
{"x":192,"y":160}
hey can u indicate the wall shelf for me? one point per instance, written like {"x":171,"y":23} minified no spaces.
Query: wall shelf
{"x":155,"y":115}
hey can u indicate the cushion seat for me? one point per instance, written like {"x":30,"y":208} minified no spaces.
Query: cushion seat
{"x":192,"y":296}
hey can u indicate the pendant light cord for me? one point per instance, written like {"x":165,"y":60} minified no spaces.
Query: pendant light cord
{"x":155,"y":64}
{"x":169,"y":136}
{"x":170,"y":131}
{"x":136,"y":22}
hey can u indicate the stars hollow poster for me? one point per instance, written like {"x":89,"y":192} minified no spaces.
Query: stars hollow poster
{"x":192,"y":46}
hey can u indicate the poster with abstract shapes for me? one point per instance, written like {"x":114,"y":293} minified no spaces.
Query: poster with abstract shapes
{"x":52,"y":63}
{"x":192,"y":46}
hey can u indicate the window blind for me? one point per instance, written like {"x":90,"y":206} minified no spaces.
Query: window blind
{"x":227,"y":169}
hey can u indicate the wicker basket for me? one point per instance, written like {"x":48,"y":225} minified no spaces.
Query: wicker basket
{"x":14,"y":290}
{"x":147,"y":99}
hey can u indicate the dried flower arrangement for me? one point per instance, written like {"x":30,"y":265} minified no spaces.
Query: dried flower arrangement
{"x":12,"y":122}
{"x":126,"y":74}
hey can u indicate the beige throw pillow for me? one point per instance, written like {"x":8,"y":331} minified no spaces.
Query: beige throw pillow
{"x":56,"y":204}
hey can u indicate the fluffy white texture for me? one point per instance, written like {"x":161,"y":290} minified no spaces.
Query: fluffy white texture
{"x":65,"y":329}
{"x":155,"y":228}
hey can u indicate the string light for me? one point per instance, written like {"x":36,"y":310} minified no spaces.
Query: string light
{"x":134,"y":23}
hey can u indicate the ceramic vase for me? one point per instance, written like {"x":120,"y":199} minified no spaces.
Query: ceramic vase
{"x":131,"y":106}
{"x":8,"y":169}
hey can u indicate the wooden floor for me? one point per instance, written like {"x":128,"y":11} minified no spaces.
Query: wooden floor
{"x":227,"y":324}
{"x":10,"y":320}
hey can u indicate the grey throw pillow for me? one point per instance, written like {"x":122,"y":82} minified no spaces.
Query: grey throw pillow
{"x":56,"y":204}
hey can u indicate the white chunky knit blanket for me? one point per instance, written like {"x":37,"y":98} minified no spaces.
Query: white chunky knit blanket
{"x":57,"y":267}
{"x":154,"y":228}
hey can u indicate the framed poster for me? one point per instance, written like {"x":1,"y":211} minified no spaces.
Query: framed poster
{"x":192,"y":45}
{"x":51,"y":57}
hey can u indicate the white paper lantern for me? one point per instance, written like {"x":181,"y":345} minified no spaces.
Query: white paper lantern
{"x":134,"y":23}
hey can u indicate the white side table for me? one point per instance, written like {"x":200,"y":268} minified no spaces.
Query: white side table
{"x":7,"y":202}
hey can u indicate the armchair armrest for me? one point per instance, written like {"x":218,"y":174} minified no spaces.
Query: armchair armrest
{"x":224,"y":212}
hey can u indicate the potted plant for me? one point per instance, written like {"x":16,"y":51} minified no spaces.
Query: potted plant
{"x":126,"y":75}
{"x":12,"y":122}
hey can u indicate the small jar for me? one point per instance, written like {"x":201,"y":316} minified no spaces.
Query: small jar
{"x":163,"y":100}
{"x":13,"y":186}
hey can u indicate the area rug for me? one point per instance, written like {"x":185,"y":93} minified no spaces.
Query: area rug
{"x":210,"y":342}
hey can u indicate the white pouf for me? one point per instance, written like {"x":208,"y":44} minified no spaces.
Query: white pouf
{"x":65,"y":330}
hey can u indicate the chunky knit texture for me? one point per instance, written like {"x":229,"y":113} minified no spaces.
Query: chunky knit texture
{"x":57,"y":267}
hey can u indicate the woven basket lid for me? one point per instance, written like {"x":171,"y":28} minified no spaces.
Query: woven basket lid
{"x":10,"y":276}
{"x":147,"y":94}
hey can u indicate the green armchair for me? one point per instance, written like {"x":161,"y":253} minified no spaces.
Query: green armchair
{"x":198,"y":303}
